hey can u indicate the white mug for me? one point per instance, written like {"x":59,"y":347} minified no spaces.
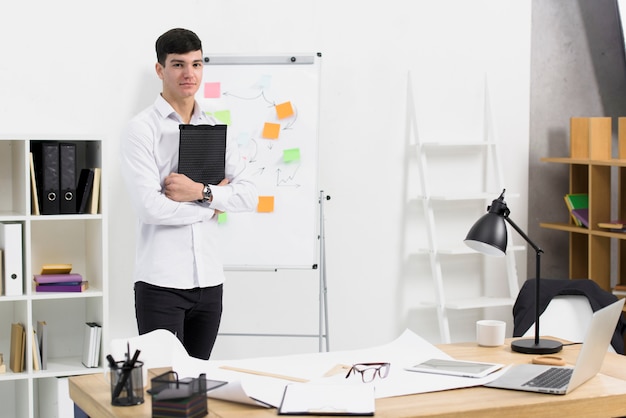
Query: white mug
{"x":490,"y":332}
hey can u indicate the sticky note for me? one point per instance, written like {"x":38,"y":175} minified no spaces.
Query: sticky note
{"x":221,"y":218}
{"x":243,"y":138}
{"x":212,"y":90}
{"x":222,"y":116}
{"x":284,"y":110}
{"x":271,"y":130}
{"x":264,"y":81}
{"x":292,"y":154}
{"x":266,"y":204}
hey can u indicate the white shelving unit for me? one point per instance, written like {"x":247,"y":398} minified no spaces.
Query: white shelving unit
{"x":448,"y":202}
{"x":70,"y":238}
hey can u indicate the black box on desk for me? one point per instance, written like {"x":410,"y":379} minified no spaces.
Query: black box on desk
{"x":172,"y":397}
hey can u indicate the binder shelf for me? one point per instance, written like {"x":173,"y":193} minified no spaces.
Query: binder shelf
{"x":43,"y":230}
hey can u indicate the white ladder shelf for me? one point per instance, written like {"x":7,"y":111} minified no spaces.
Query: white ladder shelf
{"x":417,"y":153}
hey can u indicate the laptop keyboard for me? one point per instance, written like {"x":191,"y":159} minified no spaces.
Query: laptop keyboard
{"x":554,"y":377}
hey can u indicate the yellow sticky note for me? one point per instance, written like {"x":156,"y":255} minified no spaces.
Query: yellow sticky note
{"x":290,"y":155}
{"x":266,"y":204}
{"x":284,"y":110}
{"x":212,"y":90}
{"x":271,"y":130}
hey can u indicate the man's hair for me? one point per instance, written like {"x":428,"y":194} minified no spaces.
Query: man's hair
{"x":176,"y":41}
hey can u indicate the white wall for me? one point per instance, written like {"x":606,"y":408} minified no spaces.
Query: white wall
{"x":80,"y":67}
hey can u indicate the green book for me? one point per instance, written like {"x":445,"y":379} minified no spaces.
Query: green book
{"x":576,"y":201}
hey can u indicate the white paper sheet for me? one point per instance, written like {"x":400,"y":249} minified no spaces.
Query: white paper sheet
{"x":406,"y":350}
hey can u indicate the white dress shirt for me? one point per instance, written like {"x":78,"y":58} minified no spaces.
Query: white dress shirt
{"x":178,"y":243}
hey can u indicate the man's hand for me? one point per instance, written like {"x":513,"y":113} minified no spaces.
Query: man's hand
{"x":180,"y":188}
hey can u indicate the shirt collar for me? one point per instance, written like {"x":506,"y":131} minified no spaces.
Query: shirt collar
{"x":165,"y":110}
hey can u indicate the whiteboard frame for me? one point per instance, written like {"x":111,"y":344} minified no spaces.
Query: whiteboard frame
{"x":297,"y":59}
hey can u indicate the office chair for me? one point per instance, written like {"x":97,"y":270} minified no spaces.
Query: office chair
{"x":566,"y":306}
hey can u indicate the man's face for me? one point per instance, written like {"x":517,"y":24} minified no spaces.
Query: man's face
{"x":181,"y":75}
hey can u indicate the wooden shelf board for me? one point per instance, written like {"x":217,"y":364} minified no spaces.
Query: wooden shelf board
{"x":564,"y":227}
{"x":582,"y":161}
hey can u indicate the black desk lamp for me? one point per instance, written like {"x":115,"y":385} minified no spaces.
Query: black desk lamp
{"x":489,"y":236}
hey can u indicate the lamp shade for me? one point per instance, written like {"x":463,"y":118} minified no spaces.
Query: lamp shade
{"x":488,"y":235}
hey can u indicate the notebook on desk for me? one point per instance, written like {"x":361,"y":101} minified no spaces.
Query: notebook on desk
{"x":562,"y":380}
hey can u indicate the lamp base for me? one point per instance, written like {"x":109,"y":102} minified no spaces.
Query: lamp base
{"x":528,"y":346}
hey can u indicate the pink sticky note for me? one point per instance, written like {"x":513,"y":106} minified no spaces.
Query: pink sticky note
{"x":212,"y":90}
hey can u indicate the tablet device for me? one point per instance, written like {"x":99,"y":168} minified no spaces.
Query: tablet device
{"x":455,"y":367}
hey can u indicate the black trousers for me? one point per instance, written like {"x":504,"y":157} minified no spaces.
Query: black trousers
{"x":193,"y":315}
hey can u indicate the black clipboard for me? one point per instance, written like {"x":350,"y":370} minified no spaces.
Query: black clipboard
{"x":202,"y":152}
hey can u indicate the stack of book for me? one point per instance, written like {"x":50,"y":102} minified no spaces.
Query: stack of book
{"x":616,"y":225}
{"x":578,"y":206}
{"x":59,"y":278}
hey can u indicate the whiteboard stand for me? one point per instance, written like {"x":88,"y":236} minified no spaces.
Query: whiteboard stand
{"x":322,"y":334}
{"x":323,"y":325}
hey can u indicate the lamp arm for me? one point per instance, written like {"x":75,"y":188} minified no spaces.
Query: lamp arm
{"x":526,"y":238}
{"x":538,"y":252}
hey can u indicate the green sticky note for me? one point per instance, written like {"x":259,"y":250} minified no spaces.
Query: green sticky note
{"x":292,"y":154}
{"x":222,"y":116}
{"x":221,"y":218}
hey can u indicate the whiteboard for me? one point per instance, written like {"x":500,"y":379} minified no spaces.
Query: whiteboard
{"x":270,"y":105}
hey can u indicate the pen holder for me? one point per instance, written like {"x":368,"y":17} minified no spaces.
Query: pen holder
{"x":126,"y":384}
{"x":172,"y":397}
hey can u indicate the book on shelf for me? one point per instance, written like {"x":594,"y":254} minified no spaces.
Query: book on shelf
{"x":62,"y":287}
{"x":36,"y":352}
{"x":33,"y":188}
{"x":83,"y":190}
{"x":42,"y":337}
{"x":56,"y":268}
{"x":582,"y":215}
{"x":58,"y":278}
{"x":576,"y":201}
{"x":91,"y":344}
{"x":18,"y":346}
{"x":94,"y":197}
{"x":617,"y":225}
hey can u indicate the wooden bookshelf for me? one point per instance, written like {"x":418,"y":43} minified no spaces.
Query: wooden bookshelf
{"x":591,"y":169}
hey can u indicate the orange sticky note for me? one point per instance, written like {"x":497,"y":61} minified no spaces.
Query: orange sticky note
{"x":212,"y":90}
{"x":266,"y":204}
{"x":284,"y":110}
{"x":271,"y":130}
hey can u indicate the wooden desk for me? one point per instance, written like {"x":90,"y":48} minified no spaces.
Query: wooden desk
{"x":603,"y":395}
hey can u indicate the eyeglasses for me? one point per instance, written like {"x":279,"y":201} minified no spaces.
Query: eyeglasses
{"x":370,"y":370}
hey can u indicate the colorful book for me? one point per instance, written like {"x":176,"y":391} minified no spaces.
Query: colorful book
{"x":56,"y":268}
{"x":58,"y":278}
{"x":576,"y":201}
{"x":618,"y":225}
{"x":582,"y":215}
{"x":62,"y":287}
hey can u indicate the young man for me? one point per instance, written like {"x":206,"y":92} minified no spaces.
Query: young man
{"x":178,"y":272}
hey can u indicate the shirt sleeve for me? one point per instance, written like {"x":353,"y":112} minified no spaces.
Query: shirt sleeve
{"x":144,"y":183}
{"x":240,"y":194}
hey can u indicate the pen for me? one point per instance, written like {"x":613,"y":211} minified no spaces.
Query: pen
{"x":112,"y":363}
{"x":127,"y":369}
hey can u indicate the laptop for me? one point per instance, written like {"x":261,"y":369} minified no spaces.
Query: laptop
{"x":562,"y":380}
